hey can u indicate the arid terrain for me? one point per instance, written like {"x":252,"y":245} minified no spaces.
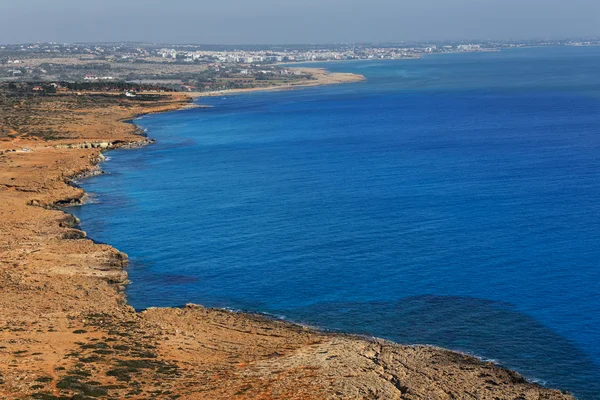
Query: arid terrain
{"x":66,"y":331}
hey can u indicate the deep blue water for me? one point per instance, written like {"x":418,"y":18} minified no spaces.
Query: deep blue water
{"x":452,"y":200}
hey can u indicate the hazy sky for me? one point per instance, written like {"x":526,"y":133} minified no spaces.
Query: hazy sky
{"x":297,"y":21}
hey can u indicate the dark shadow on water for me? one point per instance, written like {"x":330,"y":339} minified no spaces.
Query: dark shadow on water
{"x":484,"y":328}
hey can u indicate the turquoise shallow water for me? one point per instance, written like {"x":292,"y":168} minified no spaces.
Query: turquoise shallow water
{"x":452,"y":200}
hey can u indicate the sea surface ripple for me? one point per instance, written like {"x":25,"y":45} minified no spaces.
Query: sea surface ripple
{"x":452,"y":200}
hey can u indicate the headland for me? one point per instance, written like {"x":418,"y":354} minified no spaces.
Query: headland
{"x":67,"y":332}
{"x":319,"y":77}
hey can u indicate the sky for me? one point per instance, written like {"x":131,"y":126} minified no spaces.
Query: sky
{"x":293,"y":21}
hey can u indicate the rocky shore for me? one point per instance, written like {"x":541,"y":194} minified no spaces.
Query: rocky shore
{"x":66,"y":331}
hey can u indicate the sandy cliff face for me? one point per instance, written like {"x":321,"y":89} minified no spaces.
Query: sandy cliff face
{"x":66,"y":331}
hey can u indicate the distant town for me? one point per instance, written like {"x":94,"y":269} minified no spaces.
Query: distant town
{"x":211,"y":67}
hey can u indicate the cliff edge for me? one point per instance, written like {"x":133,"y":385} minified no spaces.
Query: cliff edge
{"x":66,"y":331}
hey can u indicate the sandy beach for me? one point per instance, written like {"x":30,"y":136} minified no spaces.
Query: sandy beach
{"x":320,"y":77}
{"x":66,"y":329}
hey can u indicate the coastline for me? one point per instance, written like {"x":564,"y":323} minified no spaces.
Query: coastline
{"x":321,"y":77}
{"x":417,"y":56}
{"x":67,"y":330}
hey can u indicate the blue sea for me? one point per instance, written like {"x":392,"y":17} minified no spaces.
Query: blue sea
{"x":452,"y":200}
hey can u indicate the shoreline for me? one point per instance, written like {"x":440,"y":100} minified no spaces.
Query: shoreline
{"x":68,"y":330}
{"x":322,"y":77}
{"x":417,"y":56}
